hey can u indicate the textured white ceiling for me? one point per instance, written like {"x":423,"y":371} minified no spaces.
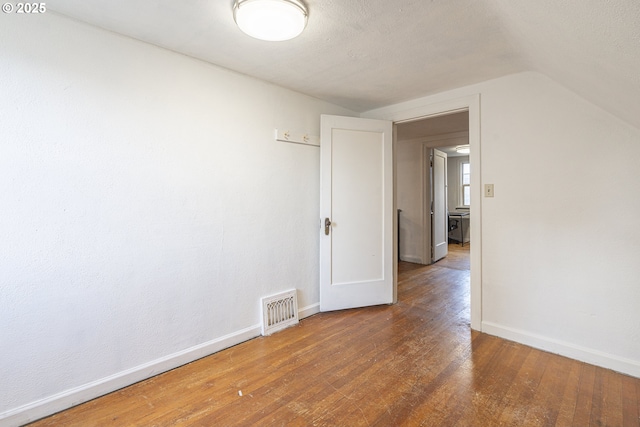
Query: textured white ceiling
{"x":364,"y":54}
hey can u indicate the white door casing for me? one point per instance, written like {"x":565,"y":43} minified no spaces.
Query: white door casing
{"x":439,"y":217}
{"x":357,"y":213}
{"x":441,"y":105}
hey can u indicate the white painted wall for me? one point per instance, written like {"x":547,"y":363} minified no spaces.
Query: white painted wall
{"x":145,"y":210}
{"x":559,"y":240}
{"x":411,"y":194}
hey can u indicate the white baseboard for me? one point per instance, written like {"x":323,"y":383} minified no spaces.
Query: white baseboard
{"x":58,"y":402}
{"x":413,"y":259}
{"x":584,"y":354}
{"x":309,"y":310}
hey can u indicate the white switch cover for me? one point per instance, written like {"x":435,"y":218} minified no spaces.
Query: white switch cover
{"x":488,"y":190}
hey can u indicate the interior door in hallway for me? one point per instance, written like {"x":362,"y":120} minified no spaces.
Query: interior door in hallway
{"x":357,"y":213}
{"x":439,"y":217}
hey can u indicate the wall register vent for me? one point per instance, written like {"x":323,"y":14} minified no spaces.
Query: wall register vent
{"x":279,"y":311}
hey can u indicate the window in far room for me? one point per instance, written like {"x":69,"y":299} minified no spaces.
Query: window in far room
{"x":465,"y":180}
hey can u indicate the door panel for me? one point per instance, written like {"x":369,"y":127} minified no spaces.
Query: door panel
{"x":439,"y":218}
{"x":357,"y":195}
{"x":356,"y":256}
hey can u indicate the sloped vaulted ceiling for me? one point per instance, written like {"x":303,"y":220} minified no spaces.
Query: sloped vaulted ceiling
{"x":590,"y":46}
{"x":364,"y":54}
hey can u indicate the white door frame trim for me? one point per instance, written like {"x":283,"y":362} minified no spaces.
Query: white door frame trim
{"x":472,"y":104}
{"x":427,"y":237}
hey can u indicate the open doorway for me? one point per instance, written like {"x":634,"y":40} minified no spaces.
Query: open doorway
{"x":441,"y":106}
{"x":424,"y":218}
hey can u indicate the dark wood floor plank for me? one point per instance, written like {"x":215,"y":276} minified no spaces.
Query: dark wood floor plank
{"x":545,"y":407}
{"x":494,"y":381}
{"x":518,"y":397}
{"x":582,"y":414}
{"x":427,"y":386}
{"x":630,"y":401}
{"x":415,"y":363}
{"x":569,"y":395}
{"x":596,"y":401}
{"x":612,"y":412}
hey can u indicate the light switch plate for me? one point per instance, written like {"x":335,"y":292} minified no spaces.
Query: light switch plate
{"x":488,"y":190}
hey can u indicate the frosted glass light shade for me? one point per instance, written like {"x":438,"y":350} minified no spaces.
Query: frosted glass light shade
{"x":463,"y":149}
{"x":272,"y":20}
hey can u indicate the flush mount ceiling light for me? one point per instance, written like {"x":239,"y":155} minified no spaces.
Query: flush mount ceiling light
{"x":463,"y":149}
{"x":271,"y":20}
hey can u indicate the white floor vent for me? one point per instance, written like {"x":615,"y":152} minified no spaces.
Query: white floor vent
{"x":279,"y":311}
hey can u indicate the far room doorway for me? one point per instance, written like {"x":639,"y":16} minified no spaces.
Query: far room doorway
{"x":446,"y":105}
{"x":421,"y":213}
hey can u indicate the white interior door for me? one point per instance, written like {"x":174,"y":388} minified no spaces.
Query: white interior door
{"x":357,"y":212}
{"x":439,"y":217}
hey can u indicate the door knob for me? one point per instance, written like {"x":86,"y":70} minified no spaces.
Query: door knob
{"x":327,"y":226}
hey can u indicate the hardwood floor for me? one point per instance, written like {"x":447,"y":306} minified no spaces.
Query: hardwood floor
{"x":415,"y":363}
